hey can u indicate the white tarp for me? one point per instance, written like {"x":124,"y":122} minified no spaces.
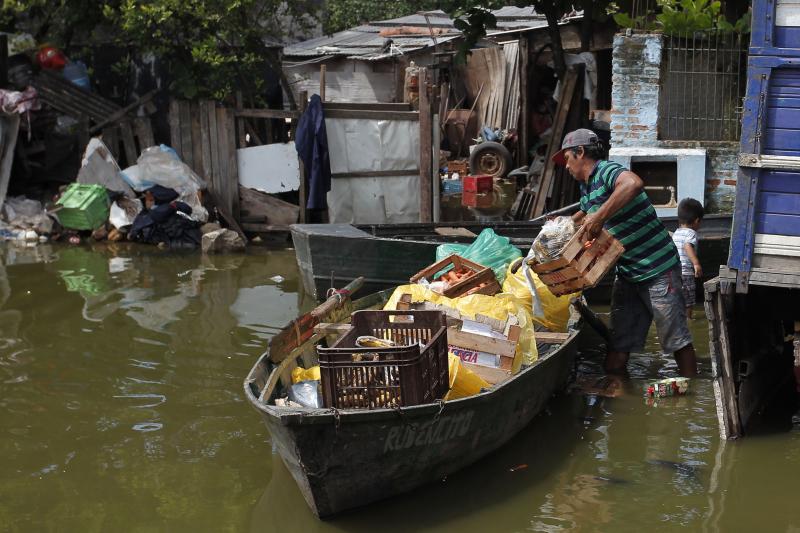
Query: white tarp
{"x":270,"y":168}
{"x":9,"y":126}
{"x":363,"y":145}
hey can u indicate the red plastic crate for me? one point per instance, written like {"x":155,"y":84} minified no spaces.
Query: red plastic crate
{"x":478,"y":183}
{"x":474,"y":199}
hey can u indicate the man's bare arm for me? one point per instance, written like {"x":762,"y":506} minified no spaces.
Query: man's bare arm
{"x":626,"y":187}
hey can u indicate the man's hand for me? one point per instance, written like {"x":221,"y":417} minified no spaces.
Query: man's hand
{"x":592,"y":226}
{"x":698,"y":270}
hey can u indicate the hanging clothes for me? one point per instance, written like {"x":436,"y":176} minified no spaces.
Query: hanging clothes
{"x":311,"y":143}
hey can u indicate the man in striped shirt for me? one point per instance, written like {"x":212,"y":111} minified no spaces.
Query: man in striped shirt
{"x":648,"y":281}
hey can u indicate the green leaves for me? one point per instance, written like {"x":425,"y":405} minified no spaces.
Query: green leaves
{"x":687,"y":17}
{"x":684,"y":17}
{"x":211,"y":47}
{"x":473,"y":23}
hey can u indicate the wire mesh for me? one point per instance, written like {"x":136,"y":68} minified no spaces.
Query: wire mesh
{"x":704,"y":80}
{"x":642,"y":14}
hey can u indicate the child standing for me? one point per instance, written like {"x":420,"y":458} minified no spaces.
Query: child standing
{"x":690,"y":213}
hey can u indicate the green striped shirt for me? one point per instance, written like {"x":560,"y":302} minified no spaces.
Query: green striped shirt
{"x":649,"y":250}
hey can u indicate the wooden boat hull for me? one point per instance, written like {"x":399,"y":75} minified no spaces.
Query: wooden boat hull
{"x":342,"y":459}
{"x":346,"y":459}
{"x":330,"y":255}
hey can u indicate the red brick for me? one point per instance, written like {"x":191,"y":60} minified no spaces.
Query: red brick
{"x":639,"y":127}
{"x":729,"y":182}
{"x":714,"y":183}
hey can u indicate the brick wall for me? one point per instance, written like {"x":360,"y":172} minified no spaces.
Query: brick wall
{"x":635,"y":69}
{"x":636,"y":76}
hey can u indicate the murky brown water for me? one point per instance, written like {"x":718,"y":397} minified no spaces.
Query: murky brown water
{"x":122,"y":409}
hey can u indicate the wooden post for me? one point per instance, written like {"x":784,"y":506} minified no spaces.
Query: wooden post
{"x":303,"y":185}
{"x":425,"y":150}
{"x":436,"y":127}
{"x":322,"y":70}
{"x":524,"y":112}
{"x":240,"y":128}
{"x":562,"y":113}
{"x":3,"y":61}
{"x":175,"y":126}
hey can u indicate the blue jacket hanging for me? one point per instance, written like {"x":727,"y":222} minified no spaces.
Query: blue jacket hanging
{"x":311,"y":142}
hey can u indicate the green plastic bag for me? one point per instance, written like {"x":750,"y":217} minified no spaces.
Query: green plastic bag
{"x":489,"y":249}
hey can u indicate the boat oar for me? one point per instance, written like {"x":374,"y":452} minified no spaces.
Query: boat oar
{"x":301,"y":328}
{"x":566,"y":210}
{"x":592,"y":319}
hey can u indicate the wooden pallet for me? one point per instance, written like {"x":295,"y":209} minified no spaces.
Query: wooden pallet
{"x":580,"y":267}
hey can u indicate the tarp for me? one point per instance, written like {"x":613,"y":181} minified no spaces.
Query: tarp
{"x":363,"y":145}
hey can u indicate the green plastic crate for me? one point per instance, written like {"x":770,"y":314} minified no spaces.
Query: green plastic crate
{"x":83,"y":206}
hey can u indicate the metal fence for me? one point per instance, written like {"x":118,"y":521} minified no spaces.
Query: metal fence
{"x":703,"y":85}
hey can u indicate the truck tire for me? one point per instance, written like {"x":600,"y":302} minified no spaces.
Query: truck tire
{"x":491,"y":159}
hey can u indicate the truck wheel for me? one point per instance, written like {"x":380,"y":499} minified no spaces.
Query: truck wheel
{"x":490,"y":158}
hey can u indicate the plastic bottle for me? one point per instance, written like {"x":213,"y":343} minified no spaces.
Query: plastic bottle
{"x":76,"y":72}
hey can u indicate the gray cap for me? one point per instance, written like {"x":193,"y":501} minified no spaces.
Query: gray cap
{"x":573,"y":139}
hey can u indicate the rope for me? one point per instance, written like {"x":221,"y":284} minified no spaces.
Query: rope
{"x":340,"y":295}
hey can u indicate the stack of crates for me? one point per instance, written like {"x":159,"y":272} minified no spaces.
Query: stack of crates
{"x":83,"y":207}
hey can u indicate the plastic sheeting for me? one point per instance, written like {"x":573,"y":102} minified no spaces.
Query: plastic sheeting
{"x":363,"y":145}
{"x":9,"y":127}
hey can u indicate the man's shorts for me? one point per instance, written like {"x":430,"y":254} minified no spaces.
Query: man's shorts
{"x":635,"y":305}
{"x":689,"y":289}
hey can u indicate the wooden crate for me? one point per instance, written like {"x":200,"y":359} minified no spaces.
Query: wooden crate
{"x":458,"y":165}
{"x":478,"y":279}
{"x":580,"y":267}
{"x":482,"y":349}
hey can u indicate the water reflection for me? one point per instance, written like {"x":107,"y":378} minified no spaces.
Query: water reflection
{"x":120,"y":393}
{"x":122,"y":365}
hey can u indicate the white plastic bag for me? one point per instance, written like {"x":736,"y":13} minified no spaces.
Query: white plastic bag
{"x":124,"y":215}
{"x":160,"y":165}
{"x":555,"y":234}
{"x":306,"y":393}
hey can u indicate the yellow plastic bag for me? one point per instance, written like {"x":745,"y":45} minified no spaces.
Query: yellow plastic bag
{"x":463,"y":381}
{"x":556,"y":308}
{"x":302,"y":374}
{"x":497,"y":307}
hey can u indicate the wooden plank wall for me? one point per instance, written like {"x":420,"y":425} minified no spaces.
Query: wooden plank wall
{"x":204,"y":136}
{"x":127,"y":139}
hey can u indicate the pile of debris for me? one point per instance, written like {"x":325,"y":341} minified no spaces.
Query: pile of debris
{"x":158,"y":201}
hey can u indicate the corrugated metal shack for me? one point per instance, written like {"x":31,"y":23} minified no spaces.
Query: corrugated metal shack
{"x":367,"y":63}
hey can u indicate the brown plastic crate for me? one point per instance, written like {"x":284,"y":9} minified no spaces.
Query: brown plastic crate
{"x":387,"y":377}
{"x":578,"y":267}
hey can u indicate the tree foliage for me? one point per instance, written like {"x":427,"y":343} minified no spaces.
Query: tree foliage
{"x":343,"y":14}
{"x":684,"y":17}
{"x":58,"y":21}
{"x":210,"y":47}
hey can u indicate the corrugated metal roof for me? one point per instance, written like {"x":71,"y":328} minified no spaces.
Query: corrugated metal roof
{"x":365,"y":42}
{"x":438,"y":19}
{"x":516,"y":12}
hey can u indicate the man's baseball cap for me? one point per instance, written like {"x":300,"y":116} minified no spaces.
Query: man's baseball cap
{"x":581,"y":137}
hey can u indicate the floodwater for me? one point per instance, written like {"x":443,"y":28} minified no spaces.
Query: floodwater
{"x":122,"y":409}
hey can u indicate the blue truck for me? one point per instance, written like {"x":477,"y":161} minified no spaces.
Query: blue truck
{"x":754,"y":305}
